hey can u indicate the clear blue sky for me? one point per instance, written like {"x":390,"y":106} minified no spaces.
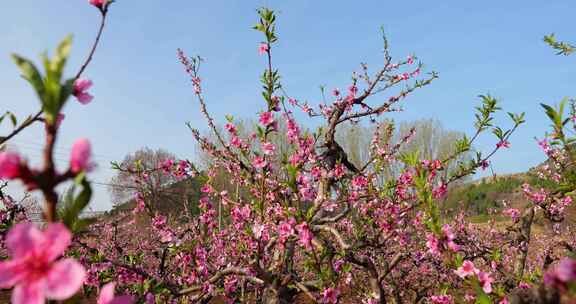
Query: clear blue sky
{"x":143,"y":97}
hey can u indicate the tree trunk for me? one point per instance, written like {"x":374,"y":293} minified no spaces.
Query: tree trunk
{"x":523,"y":240}
{"x":280,"y":295}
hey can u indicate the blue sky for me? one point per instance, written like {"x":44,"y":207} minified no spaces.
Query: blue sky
{"x":143,"y":97}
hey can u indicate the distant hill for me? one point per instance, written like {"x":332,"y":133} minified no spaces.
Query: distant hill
{"x":176,"y":198}
{"x":482,"y":197}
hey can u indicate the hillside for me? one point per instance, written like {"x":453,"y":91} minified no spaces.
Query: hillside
{"x":491,"y":195}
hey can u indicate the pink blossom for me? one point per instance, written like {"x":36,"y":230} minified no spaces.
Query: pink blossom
{"x":266,"y":118}
{"x":403,"y":76}
{"x":230,"y":128}
{"x":440,"y":191}
{"x":330,"y":296}
{"x":449,"y":235}
{"x":236,"y":142}
{"x":257,"y":230}
{"x":338,"y":265}
{"x":259,"y":162}
{"x":140,"y":204}
{"x":447,"y":230}
{"x":150,"y":298}
{"x":563,"y":273}
{"x":166,"y":235}
{"x":545,"y":146}
{"x":263,"y":48}
{"x":353,"y":90}
{"x":359,"y":182}
{"x":81,"y":86}
{"x":432,"y":244}
{"x":503,"y":144}
{"x":293,"y":130}
{"x":285,"y":229}
{"x":107,"y":296}
{"x":443,"y":299}
{"x":410,"y":60}
{"x":485,"y":281}
{"x":305,"y":236}
{"x":9,"y":165}
{"x":80,"y":157}
{"x":98,"y":3}
{"x":34,"y":271}
{"x":466,"y":269}
{"x":206,"y":188}
{"x":159,"y":221}
{"x":524,"y":285}
{"x":230,"y":285}
{"x":268,"y":148}
{"x":338,"y":171}
{"x":513,"y":213}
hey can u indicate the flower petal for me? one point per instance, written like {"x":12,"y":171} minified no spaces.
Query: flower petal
{"x":84,"y":98}
{"x":27,"y":294}
{"x":24,"y":238}
{"x":64,"y":279}
{"x":82,"y":84}
{"x":106,"y":294}
{"x":58,"y":238}
{"x":80,"y":156}
{"x":9,"y":273}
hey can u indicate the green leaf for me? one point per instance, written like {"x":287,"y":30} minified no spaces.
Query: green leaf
{"x":61,"y":56}
{"x":483,"y":299}
{"x":31,"y":74}
{"x":49,"y":89}
{"x":72,"y":207}
{"x":13,"y":119}
{"x":498,"y":132}
{"x":458,"y":260}
{"x":260,"y":131}
{"x":563,"y":48}
{"x":66,"y":90}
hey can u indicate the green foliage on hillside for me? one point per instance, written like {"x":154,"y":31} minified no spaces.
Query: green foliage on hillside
{"x":478,"y":198}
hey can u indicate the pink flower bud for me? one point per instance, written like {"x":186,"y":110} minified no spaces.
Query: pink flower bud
{"x":98,"y":3}
{"x":80,"y":158}
{"x":503,"y":144}
{"x":263,"y":48}
{"x":266,"y":118}
{"x":9,"y":165}
{"x":81,"y":86}
{"x":466,"y":269}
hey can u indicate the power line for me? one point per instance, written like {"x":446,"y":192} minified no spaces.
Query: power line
{"x":99,"y":166}
{"x":64,"y":151}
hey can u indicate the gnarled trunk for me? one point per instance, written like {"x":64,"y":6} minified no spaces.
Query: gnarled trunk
{"x":523,"y":239}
